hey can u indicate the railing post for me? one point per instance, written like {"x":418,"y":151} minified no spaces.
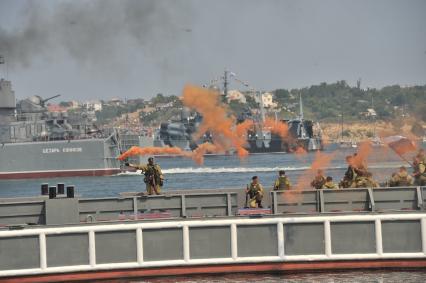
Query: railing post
{"x":135,"y":206}
{"x":92,"y":249}
{"x":423,"y":227}
{"x":139,"y":245}
{"x":274,"y":203}
{"x":321,"y":199}
{"x":228,"y":204}
{"x":234,"y":243}
{"x":280,"y":236}
{"x":186,"y":251}
{"x":327,"y":238}
{"x":183,"y":205}
{"x":371,"y":199}
{"x":43,"y":252}
{"x":419,"y":198}
{"x":379,"y":239}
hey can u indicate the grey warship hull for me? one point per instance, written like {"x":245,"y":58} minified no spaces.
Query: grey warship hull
{"x":85,"y":157}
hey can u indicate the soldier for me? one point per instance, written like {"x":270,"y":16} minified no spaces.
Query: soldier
{"x":329,"y":184}
{"x":419,"y":172}
{"x":153,"y":176}
{"x":319,"y":180}
{"x":282,"y":183}
{"x":350,"y":174}
{"x":366,"y":181}
{"x":401,"y":178}
{"x":255,"y":192}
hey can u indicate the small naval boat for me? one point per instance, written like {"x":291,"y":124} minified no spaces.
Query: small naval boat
{"x":61,"y":237}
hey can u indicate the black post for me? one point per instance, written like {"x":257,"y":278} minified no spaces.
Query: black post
{"x":61,"y":188}
{"x":44,"y":189}
{"x":52,"y":192}
{"x":70,"y":191}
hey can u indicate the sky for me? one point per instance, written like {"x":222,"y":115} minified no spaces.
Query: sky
{"x":87,"y":50}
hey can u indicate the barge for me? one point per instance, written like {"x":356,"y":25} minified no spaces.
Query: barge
{"x":73,"y":239}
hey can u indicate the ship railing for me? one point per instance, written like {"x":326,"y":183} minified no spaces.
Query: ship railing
{"x":175,"y":205}
{"x":348,"y":200}
{"x":213,"y":241}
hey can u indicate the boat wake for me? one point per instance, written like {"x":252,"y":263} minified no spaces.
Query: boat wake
{"x":215,"y":170}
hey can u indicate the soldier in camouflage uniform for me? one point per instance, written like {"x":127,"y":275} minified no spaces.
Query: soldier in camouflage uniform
{"x":401,"y":178}
{"x":329,"y":184}
{"x":282,"y":183}
{"x":255,"y":192}
{"x":319,"y":180}
{"x":153,"y":176}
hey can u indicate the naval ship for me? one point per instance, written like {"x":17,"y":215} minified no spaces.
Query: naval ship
{"x":35,"y":143}
{"x":178,"y":133}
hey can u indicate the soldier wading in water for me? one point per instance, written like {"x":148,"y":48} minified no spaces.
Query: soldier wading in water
{"x":153,"y":176}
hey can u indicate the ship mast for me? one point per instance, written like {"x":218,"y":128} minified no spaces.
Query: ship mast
{"x":225,"y":84}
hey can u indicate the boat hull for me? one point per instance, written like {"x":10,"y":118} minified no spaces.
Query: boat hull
{"x":287,"y":267}
{"x":89,"y":157}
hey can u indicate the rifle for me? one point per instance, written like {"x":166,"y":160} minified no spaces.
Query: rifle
{"x":247,"y":196}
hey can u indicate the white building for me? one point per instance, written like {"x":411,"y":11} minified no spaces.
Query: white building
{"x":267,"y":99}
{"x":94,"y":105}
{"x":235,"y":95}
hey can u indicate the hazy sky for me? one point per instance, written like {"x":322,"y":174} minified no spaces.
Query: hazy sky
{"x":102,"y":49}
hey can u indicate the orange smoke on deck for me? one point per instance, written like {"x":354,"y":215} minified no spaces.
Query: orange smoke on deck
{"x":321,"y":161}
{"x":215,"y":119}
{"x":277,"y":127}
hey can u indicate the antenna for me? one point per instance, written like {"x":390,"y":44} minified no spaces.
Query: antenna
{"x":301,"y":106}
{"x":225,"y":84}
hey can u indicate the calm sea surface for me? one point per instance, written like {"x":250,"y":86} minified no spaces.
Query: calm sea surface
{"x":230,"y":172}
{"x":217,"y":172}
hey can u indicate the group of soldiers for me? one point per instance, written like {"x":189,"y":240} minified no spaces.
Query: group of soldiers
{"x":356,"y":176}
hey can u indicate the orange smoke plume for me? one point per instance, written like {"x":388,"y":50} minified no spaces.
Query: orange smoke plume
{"x":277,"y":127}
{"x":215,"y":119}
{"x":321,"y":160}
{"x":136,"y":150}
{"x":364,"y":150}
{"x":198,"y":154}
{"x":300,"y":153}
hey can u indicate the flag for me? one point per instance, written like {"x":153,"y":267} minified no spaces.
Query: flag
{"x":401,"y":145}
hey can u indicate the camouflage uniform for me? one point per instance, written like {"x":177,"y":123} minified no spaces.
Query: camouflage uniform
{"x":401,"y":179}
{"x":420,"y":174}
{"x":349,"y":178}
{"x":318,"y":182}
{"x":255,"y":192}
{"x":282,"y":183}
{"x":329,"y":185}
{"x":153,"y":177}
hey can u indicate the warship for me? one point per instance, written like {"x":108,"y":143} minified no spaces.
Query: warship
{"x":36,"y":143}
{"x":260,"y":139}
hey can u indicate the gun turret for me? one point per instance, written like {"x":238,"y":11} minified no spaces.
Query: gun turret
{"x":43,"y":101}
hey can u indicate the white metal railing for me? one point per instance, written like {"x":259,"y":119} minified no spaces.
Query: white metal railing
{"x":91,"y":231}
